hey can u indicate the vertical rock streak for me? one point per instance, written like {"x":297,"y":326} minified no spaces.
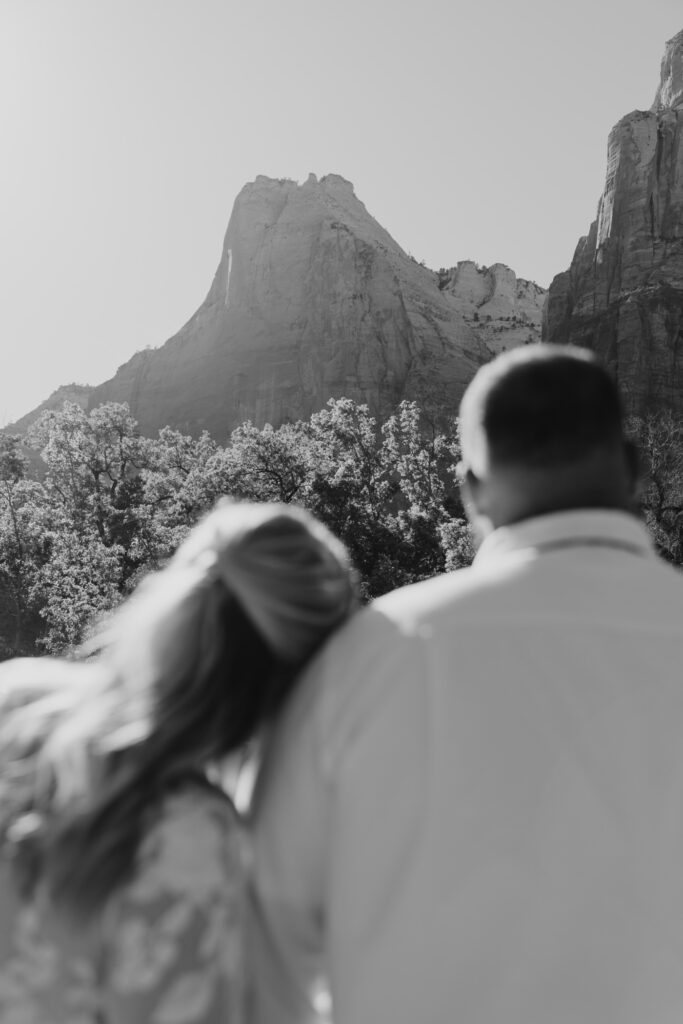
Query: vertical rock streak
{"x":227,"y":281}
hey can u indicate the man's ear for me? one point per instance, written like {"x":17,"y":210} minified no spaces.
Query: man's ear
{"x":475,"y":494}
{"x":470,"y":488}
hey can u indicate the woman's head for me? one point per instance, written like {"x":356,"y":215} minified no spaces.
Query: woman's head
{"x":184,"y":672}
{"x":245,"y":601}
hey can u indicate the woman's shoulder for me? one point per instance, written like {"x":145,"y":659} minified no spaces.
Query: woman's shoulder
{"x":194,"y":843}
{"x":173,"y":934}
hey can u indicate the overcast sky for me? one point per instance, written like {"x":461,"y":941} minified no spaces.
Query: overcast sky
{"x":470,"y":131}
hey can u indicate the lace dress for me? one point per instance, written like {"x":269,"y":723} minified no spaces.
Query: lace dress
{"x":167,"y":950}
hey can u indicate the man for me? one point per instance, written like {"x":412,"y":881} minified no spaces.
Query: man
{"x":472,"y":808}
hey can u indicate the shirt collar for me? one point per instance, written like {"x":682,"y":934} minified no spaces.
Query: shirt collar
{"x":607,"y":528}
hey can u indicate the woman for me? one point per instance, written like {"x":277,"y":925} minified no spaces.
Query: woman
{"x":121,"y":866}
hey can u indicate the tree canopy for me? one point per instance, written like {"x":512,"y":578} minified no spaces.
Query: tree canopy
{"x":109,"y":505}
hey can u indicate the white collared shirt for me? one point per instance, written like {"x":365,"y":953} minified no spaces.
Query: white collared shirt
{"x":472,"y":808}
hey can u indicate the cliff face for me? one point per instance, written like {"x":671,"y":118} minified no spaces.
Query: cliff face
{"x":504,"y":310}
{"x":623,"y":294}
{"x":313,"y":299}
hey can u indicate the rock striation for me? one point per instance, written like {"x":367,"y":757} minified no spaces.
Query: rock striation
{"x":623,"y":294}
{"x":313,"y":300}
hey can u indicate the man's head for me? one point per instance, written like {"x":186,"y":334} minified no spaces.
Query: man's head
{"x":541,"y":430}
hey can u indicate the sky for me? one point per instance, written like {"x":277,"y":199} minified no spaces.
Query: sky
{"x":127,"y":127}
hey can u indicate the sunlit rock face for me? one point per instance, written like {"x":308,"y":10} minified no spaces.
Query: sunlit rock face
{"x":670,"y":91}
{"x":505,"y":310}
{"x":313,"y":299}
{"x":623,"y":294}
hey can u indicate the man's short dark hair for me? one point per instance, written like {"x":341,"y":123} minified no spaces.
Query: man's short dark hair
{"x":540,"y":406}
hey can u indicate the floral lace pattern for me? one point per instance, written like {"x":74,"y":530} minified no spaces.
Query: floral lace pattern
{"x":169,"y":948}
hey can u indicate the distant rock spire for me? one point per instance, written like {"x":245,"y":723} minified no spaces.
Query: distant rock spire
{"x":670,"y":91}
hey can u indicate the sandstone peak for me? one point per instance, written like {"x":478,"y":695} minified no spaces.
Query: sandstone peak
{"x":313,"y":299}
{"x":282,"y":213}
{"x":670,"y":91}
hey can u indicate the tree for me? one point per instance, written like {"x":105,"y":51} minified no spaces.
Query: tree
{"x":424,"y":460}
{"x":349,"y":487}
{"x":90,"y":461}
{"x":659,"y":438}
{"x":268,"y":464}
{"x":78,"y":583}
{"x":91,"y":503}
{"x":21,"y":548}
{"x":177,"y":484}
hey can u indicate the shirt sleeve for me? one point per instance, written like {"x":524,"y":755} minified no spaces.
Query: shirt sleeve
{"x":314,"y":811}
{"x":289,"y":824}
{"x":173,"y":943}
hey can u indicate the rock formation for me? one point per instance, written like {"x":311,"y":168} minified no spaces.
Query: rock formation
{"x":313,"y":299}
{"x":623,"y":294}
{"x":504,"y":310}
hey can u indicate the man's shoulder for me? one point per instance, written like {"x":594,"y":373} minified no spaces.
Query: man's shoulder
{"x":394,"y":624}
{"x":462,"y":593}
{"x":402,"y":611}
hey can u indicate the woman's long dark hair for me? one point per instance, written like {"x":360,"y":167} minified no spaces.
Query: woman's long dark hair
{"x":185,"y":672}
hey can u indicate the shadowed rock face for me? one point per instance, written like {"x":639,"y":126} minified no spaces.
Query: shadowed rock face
{"x":623,"y":294}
